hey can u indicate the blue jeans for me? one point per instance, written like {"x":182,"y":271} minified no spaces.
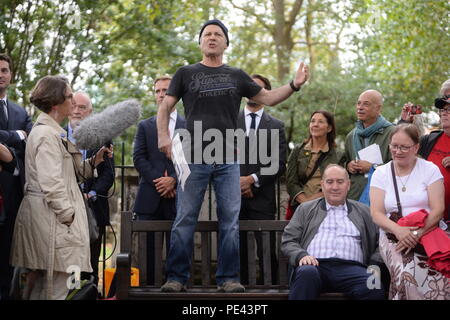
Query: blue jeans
{"x":225,"y":180}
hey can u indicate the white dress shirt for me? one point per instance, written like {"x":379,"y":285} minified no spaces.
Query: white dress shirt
{"x":248,"y":119}
{"x":19,"y":132}
{"x":248,"y":122}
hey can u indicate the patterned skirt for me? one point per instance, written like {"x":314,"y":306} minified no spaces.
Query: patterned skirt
{"x":411,"y":277}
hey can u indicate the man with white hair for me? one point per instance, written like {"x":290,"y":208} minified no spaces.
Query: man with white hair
{"x":95,"y":189}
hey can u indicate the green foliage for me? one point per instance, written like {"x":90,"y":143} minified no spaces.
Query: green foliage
{"x":402,"y":48}
{"x":115,"y":49}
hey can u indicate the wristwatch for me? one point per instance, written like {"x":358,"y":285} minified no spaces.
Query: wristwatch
{"x":415,"y":233}
{"x":375,"y":166}
{"x":293,"y":87}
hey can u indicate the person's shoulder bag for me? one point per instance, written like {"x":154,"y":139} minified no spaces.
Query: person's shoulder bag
{"x":395,"y":216}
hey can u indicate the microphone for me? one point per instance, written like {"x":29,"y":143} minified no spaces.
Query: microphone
{"x":100,"y":128}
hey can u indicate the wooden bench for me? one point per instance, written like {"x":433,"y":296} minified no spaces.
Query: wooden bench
{"x":201,"y":285}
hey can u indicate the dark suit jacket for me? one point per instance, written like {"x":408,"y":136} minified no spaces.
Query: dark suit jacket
{"x":12,"y":186}
{"x":151,"y":164}
{"x":264,"y":196}
{"x":101,"y":185}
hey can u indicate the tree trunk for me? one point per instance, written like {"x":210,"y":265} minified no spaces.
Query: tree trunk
{"x":283,"y":40}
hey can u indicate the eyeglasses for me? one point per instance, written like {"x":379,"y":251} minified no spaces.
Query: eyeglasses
{"x":82,"y":107}
{"x":395,"y":147}
{"x":70,"y":96}
{"x":444,"y":110}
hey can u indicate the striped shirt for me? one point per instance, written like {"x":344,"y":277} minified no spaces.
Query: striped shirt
{"x":337,"y":237}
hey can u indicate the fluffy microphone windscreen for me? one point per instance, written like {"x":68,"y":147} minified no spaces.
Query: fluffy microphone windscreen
{"x":94,"y":131}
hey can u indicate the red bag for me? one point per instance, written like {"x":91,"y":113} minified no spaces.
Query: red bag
{"x":290,"y":210}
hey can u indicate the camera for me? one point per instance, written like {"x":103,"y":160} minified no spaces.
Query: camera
{"x":414,"y":109}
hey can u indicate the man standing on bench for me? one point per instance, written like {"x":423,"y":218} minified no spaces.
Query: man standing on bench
{"x":330,"y":242}
{"x":211,"y":93}
{"x":155,"y":199}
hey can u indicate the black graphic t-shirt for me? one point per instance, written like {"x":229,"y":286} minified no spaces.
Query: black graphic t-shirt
{"x":211,"y":95}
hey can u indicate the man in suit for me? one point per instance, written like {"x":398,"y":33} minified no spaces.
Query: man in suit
{"x":258,"y":190}
{"x":15,"y":125}
{"x":7,"y":163}
{"x":155,"y":199}
{"x":95,"y":190}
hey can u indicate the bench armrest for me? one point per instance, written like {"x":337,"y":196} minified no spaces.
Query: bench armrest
{"x":123,"y":261}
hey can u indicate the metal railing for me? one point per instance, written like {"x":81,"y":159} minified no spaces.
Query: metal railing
{"x":124,"y":167}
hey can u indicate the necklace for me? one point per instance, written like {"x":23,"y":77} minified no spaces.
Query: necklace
{"x":406,"y":182}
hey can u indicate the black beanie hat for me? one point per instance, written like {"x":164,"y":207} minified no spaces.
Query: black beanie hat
{"x":441,"y":102}
{"x":217,"y":23}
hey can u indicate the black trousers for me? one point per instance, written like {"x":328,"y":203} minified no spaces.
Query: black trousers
{"x":96,"y":248}
{"x":11,"y":205}
{"x":249,"y":214}
{"x":165,"y":211}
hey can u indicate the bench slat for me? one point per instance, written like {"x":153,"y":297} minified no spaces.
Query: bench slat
{"x":159,"y":243}
{"x":207,"y":290}
{"x":126,"y":232}
{"x":267,"y":269}
{"x":282,"y":263}
{"x":211,"y":226}
{"x":207,"y":294}
{"x":251,"y":258}
{"x":206,"y":258}
{"x":142,"y":257}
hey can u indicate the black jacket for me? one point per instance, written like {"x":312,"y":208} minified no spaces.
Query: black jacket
{"x":101,"y":185}
{"x":264,"y":196}
{"x":151,"y":164}
{"x":12,"y":186}
{"x":427,"y":143}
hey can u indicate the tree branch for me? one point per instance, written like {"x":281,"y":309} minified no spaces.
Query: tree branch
{"x":293,"y":15}
{"x":252,"y":13}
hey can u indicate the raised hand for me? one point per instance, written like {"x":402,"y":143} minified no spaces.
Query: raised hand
{"x":301,"y":75}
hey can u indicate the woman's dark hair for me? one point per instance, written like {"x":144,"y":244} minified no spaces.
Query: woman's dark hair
{"x":48,"y":92}
{"x":411,"y":131}
{"x":331,"y":136}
